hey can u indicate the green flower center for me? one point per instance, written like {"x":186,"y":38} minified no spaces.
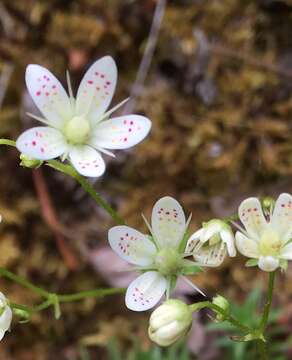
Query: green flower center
{"x":77,"y":130}
{"x":270,"y":243}
{"x":168,"y":261}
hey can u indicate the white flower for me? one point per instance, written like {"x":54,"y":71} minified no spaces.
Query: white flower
{"x":169,"y":322}
{"x":160,"y":258}
{"x":211,"y":243}
{"x":267,"y":239}
{"x":5,"y":316}
{"x":79,"y":128}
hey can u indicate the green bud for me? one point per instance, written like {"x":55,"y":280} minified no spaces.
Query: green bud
{"x":268,"y":203}
{"x":223,"y":303}
{"x":30,"y":163}
{"x":169,"y":322}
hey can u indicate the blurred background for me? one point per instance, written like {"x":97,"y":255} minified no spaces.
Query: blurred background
{"x":215,"y":79}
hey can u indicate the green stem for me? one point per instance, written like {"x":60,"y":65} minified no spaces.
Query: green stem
{"x":7,"y":142}
{"x":69,"y":170}
{"x":265,"y":317}
{"x":268,"y":303}
{"x":231,"y":319}
{"x":23,"y":282}
{"x":52,"y":299}
{"x":90,"y":293}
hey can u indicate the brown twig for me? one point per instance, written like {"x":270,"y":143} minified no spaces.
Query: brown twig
{"x":50,"y":217}
{"x":147,"y":56}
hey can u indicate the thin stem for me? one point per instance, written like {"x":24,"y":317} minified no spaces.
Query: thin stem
{"x":265,"y":317}
{"x":23,"y":282}
{"x":231,"y":319}
{"x":52,"y":299}
{"x":100,"y":201}
{"x":268,"y":303}
{"x":90,"y":293}
{"x":69,"y":170}
{"x":7,"y":142}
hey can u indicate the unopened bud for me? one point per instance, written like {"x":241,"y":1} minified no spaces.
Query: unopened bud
{"x":169,"y":322}
{"x":221,"y":302}
{"x":268,"y":202}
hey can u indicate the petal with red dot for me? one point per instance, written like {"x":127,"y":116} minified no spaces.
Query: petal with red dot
{"x":42,"y":143}
{"x":251,"y":215}
{"x":282,"y":216}
{"x":87,"y":161}
{"x":131,"y":245}
{"x":48,"y":94}
{"x":145,"y":291}
{"x":121,"y":132}
{"x":96,"y":89}
{"x":168,"y":222}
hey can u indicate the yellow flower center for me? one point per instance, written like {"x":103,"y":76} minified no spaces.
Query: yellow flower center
{"x":77,"y":130}
{"x":167,"y":261}
{"x":270,"y":243}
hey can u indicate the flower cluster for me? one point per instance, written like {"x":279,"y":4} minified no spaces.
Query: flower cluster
{"x":162,"y":255}
{"x":79,"y":130}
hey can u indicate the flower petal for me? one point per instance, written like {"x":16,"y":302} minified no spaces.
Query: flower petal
{"x":246,"y":246}
{"x":251,"y":215}
{"x":48,"y":94}
{"x":286,"y":252}
{"x":120,"y":133}
{"x":131,"y":245}
{"x":211,"y":230}
{"x":282,"y":216}
{"x":42,"y":143}
{"x":228,"y":238}
{"x":87,"y":161}
{"x":96,"y":89}
{"x":168,"y":222}
{"x":145,"y":291}
{"x":211,"y":255}
{"x":6,"y":318}
{"x":194,"y":240}
{"x":268,"y":263}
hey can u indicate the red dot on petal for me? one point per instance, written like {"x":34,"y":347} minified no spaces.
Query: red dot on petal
{"x":33,"y":143}
{"x":38,"y":93}
{"x":90,"y":82}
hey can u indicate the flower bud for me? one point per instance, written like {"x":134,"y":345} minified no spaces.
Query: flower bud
{"x":221,"y":302}
{"x":169,"y":322}
{"x":268,"y":202}
{"x":5,"y":315}
{"x":28,"y":162}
